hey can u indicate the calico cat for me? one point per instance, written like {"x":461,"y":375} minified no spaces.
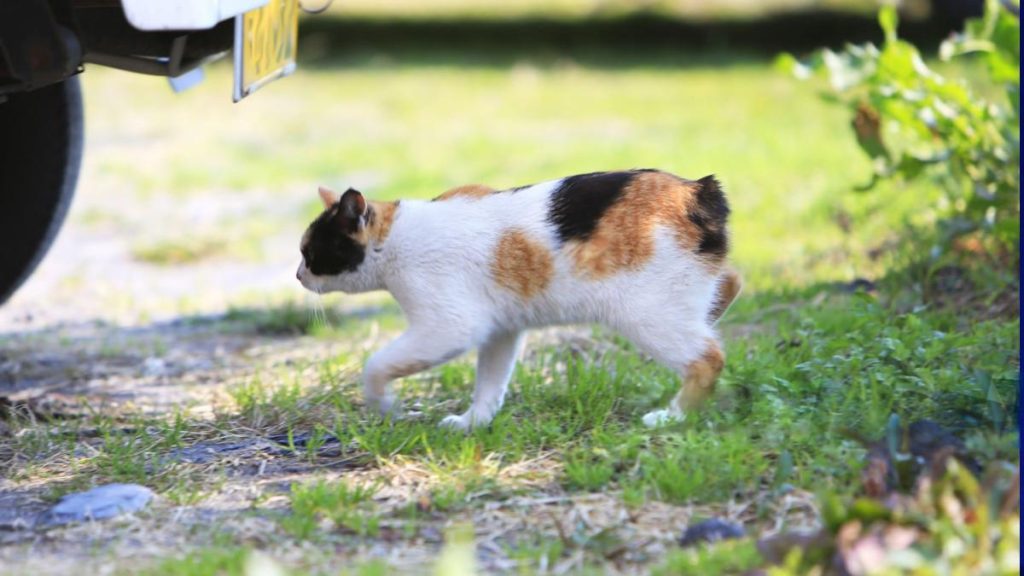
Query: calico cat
{"x":640,"y":251}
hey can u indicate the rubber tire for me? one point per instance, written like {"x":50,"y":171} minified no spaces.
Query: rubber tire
{"x":41,"y":139}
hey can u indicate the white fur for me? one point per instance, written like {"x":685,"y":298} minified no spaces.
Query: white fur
{"x":436,"y":262}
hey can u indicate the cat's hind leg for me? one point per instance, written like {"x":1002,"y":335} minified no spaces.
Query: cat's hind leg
{"x":495,"y":362}
{"x":414,"y":351}
{"x":691,"y":349}
{"x":698,"y":383}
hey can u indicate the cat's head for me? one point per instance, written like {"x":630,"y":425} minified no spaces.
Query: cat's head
{"x":334,"y":246}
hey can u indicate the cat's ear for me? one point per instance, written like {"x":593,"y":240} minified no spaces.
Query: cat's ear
{"x":328,"y":196}
{"x":352,"y":213}
{"x":353,"y":205}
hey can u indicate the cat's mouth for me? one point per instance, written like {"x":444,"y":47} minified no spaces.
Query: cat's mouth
{"x":307,"y":279}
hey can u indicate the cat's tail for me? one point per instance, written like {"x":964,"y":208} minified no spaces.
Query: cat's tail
{"x":729,"y":286}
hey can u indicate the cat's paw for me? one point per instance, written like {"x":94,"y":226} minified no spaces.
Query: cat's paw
{"x":662,"y":417}
{"x":385,"y":406}
{"x":456,"y":422}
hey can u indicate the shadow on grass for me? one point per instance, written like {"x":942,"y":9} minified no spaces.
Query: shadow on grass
{"x":637,"y":40}
{"x":70,"y":370}
{"x":295,"y":320}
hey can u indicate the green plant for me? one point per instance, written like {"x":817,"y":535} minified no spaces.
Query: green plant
{"x":913,"y":121}
{"x":729,"y":557}
{"x":348,"y":508}
{"x":212,"y":561}
{"x":587,"y":473}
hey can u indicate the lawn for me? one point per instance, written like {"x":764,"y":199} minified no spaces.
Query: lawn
{"x":179,"y":353}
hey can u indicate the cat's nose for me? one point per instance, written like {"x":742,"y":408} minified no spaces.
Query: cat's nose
{"x":298,"y":274}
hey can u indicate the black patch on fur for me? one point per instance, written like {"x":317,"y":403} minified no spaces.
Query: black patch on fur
{"x":710,"y":215}
{"x":579,"y":202}
{"x":329,"y":250}
{"x":351,"y":208}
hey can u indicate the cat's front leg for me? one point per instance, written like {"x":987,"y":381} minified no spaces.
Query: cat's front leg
{"x":495,"y":361}
{"x":414,"y":351}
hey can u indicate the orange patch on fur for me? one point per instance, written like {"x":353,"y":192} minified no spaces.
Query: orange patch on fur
{"x":699,"y":377}
{"x":623,"y":239}
{"x":379,"y":226}
{"x":521,"y":265}
{"x":473,"y":191}
{"x":728,"y":288}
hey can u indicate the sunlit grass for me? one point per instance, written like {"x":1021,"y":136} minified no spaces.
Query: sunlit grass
{"x":809,"y":362}
{"x":399,"y":131}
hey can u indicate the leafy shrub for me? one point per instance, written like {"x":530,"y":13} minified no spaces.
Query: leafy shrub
{"x":912,"y":121}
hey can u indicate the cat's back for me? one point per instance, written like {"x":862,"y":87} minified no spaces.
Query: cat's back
{"x":585,"y":234}
{"x":609,"y":223}
{"x":566,"y":249}
{"x":606,"y":220}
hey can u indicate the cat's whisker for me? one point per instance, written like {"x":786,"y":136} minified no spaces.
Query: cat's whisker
{"x":320,"y":308}
{"x":313,"y":307}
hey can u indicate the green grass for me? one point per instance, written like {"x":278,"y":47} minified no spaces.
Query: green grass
{"x":731,"y":557}
{"x":179,"y":251}
{"x":783,"y":414}
{"x":347,"y":508}
{"x":321,"y":320}
{"x":536,"y":121}
{"x":809,"y":366}
{"x":213,"y":561}
{"x":820,"y":373}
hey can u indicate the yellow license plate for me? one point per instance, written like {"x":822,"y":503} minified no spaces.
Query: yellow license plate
{"x":265,"y":43}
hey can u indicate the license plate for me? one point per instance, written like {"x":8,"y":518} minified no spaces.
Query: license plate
{"x":265,"y":43}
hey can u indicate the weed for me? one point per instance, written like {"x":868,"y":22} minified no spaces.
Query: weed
{"x":729,"y":557}
{"x":346,"y":507}
{"x":213,"y":561}
{"x":180,"y":250}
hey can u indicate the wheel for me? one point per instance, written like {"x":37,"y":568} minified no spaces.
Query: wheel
{"x":40,"y":153}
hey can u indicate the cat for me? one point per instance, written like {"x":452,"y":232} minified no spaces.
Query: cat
{"x":642,"y":252}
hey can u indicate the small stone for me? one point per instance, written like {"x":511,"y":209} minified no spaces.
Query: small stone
{"x":711,"y":531}
{"x":154,"y":367}
{"x":99,"y":503}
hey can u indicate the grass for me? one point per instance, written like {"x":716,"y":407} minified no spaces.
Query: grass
{"x":208,"y":562}
{"x":567,"y":476}
{"x":172,"y":251}
{"x":726,"y":558}
{"x":539,"y":126}
{"x":234,"y":239}
{"x":347,"y":508}
{"x":786,"y":401}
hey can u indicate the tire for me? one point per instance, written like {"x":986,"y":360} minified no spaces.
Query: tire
{"x":40,"y":153}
